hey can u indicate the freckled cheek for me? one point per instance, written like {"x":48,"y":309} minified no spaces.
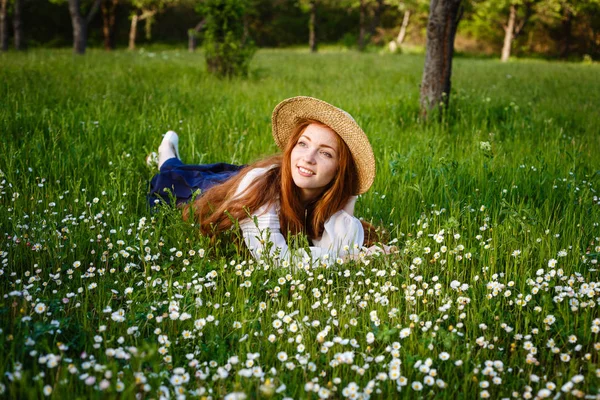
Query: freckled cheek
{"x":332,"y":168}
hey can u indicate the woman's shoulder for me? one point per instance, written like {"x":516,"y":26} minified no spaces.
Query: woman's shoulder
{"x":251,"y":176}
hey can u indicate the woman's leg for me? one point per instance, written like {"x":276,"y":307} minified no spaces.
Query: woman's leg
{"x":181,"y":180}
{"x":169,"y":148}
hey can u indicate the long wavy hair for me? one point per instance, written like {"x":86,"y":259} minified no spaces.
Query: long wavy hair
{"x":217,"y":209}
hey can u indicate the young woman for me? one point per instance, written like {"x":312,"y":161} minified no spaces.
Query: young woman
{"x":310,"y":188}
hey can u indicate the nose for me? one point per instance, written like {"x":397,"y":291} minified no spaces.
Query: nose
{"x":310,"y":157}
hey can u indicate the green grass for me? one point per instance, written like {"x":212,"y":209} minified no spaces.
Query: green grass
{"x":76,"y":232}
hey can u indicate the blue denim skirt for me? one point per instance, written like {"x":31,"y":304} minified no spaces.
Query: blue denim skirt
{"x":182,"y":180}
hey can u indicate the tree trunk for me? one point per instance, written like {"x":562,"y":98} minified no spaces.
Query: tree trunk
{"x":192,"y":40}
{"x":508,"y":33}
{"x":312,"y":27}
{"x":376,"y":18}
{"x":567,"y":23}
{"x":80,"y":24}
{"x":361,"y":24}
{"x":18,"y":25}
{"x":441,"y":30}
{"x":146,"y":15}
{"x":108,"y":23}
{"x":3,"y":26}
{"x":193,"y":36}
{"x":79,"y":27}
{"x":402,"y":33}
{"x":133,"y":31}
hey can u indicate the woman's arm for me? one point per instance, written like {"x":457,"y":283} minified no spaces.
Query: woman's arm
{"x":343,"y":235}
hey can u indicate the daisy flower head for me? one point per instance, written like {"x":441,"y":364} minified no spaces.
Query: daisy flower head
{"x":40,"y":308}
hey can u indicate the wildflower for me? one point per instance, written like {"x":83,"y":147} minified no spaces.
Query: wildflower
{"x":370,"y":337}
{"x":282,"y":356}
{"x":118,"y":316}
{"x":40,"y":308}
{"x":562,"y":253}
{"x":417,"y":386}
{"x":577,"y":379}
{"x":567,"y":387}
{"x":90,"y":380}
{"x":47,"y":390}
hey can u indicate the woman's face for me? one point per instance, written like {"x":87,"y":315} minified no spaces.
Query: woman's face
{"x":315,"y":160}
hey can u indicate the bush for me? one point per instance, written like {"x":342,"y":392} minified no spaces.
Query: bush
{"x":227,"y":46}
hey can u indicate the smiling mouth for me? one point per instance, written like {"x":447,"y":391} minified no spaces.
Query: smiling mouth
{"x":305,"y":172}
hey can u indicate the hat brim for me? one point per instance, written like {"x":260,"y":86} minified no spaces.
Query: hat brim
{"x":291,"y":112}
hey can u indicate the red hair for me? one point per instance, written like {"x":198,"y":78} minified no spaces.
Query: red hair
{"x":217,"y":210}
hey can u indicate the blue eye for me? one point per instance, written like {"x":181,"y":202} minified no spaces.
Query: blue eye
{"x":326,"y":154}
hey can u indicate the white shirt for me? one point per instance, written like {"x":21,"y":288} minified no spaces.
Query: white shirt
{"x":343,"y":233}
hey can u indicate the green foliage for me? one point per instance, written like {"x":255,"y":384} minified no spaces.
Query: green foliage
{"x":513,"y":166}
{"x":228,"y":49}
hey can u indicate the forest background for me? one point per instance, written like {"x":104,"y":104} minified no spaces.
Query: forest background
{"x":565,"y":29}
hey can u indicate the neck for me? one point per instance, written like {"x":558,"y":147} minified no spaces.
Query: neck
{"x":308,"y":196}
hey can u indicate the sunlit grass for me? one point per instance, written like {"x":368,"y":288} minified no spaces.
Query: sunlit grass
{"x":494,"y":210}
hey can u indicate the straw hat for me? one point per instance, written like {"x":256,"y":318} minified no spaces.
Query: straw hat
{"x":288,"y":114}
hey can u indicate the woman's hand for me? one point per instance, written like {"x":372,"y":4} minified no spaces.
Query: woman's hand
{"x":383,"y":249}
{"x":371,"y":251}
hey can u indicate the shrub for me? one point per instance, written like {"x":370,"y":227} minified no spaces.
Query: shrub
{"x":227,"y":46}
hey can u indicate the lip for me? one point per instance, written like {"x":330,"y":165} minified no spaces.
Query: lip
{"x":302,"y":173}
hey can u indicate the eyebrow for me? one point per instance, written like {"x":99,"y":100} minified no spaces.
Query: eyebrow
{"x":323,"y":145}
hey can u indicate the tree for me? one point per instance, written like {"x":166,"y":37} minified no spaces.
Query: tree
{"x":193,"y":35}
{"x":366,"y":8}
{"x":310,"y":6}
{"x":108,"y":23}
{"x":18,"y":25}
{"x":514,"y":26}
{"x":376,"y":20}
{"x":3,"y":25}
{"x":407,"y":8}
{"x":146,"y":10}
{"x":444,"y":16}
{"x":80,"y":21}
{"x":227,"y":47}
{"x":361,"y":24}
{"x":312,"y":27}
{"x":501,"y":20}
{"x":565,"y":17}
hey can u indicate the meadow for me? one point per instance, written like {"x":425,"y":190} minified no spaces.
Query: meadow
{"x":494,"y":210}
